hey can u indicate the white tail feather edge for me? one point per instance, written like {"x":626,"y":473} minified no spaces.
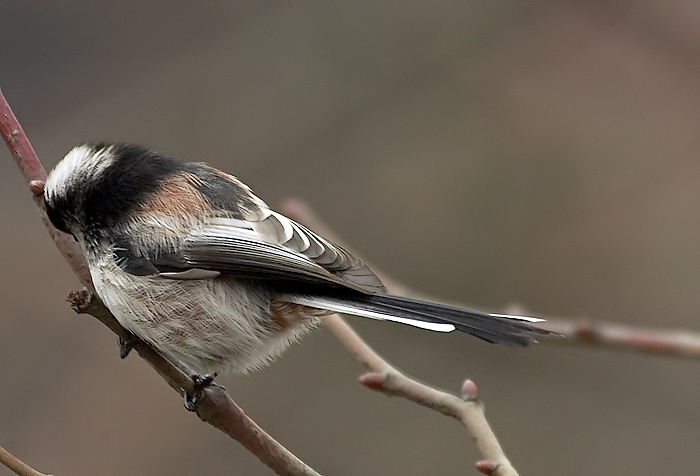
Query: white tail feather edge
{"x":337,"y":306}
{"x":518,"y":318}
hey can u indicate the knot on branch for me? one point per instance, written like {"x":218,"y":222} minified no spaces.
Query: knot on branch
{"x":487,"y":467}
{"x":469,"y":390}
{"x":37,"y":187}
{"x":374,"y":381}
{"x":83,"y":301}
{"x":586,"y":330}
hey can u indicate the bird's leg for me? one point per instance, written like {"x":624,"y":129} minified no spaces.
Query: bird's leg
{"x":200,"y":382}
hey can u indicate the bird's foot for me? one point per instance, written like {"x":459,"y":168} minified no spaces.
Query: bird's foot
{"x":126,"y":345}
{"x":201,"y":383}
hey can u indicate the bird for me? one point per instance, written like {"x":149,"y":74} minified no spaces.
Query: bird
{"x":189,"y":259}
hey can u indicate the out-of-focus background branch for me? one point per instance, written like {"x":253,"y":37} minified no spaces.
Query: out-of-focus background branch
{"x":486,"y":153}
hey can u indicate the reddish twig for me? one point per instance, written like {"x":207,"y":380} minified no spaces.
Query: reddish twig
{"x":35,"y":176}
{"x":215,"y":407}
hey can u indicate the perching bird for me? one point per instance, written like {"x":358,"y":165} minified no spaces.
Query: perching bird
{"x":187,"y":258}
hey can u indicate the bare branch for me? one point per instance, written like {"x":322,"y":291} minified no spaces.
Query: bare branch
{"x":221,"y":411}
{"x":18,"y":143}
{"x":16,"y":465}
{"x":215,"y":407}
{"x":586,"y":332}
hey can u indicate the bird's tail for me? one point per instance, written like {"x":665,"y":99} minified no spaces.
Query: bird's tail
{"x":513,"y":331}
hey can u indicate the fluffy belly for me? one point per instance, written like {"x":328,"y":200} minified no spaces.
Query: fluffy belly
{"x":211,"y":325}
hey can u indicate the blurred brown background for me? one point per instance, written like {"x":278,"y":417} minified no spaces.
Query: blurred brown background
{"x":544,"y":153}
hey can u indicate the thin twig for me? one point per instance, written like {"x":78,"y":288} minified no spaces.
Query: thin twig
{"x":16,"y":465}
{"x":215,"y":407}
{"x":588,"y":333}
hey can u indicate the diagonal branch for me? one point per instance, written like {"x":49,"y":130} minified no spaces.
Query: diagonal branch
{"x":35,"y":176}
{"x":215,"y":407}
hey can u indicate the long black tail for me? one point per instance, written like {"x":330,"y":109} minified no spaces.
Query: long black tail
{"x":513,"y":331}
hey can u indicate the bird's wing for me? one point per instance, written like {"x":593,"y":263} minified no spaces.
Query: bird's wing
{"x":274,"y":248}
{"x":245,"y":237}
